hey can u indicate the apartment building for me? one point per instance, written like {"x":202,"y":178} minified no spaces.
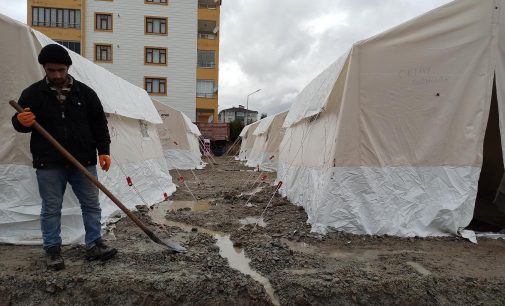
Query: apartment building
{"x":61,"y":20}
{"x":208,"y":60}
{"x":240,"y":113}
{"x":168,"y":47}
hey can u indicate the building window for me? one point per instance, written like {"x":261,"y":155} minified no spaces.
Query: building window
{"x":206,"y":58}
{"x":72,"y":45}
{"x":156,"y":86}
{"x":103,"y":22}
{"x":156,"y":25}
{"x":103,"y":53}
{"x":56,"y":18}
{"x":208,"y":4}
{"x":205,"y":88}
{"x":155,"y":56}
{"x":156,"y":1}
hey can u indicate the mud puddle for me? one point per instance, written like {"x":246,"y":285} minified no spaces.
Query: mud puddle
{"x":253,"y":221}
{"x":197,"y":206}
{"x":419,"y":268}
{"x":236,"y":256}
{"x":358,"y":254}
{"x":252,"y":192}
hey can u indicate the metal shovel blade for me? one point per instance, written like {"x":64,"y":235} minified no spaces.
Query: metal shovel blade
{"x":172,"y":246}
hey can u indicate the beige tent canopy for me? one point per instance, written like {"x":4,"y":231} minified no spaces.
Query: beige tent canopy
{"x":248,"y":137}
{"x":265,"y":149}
{"x":135,"y":147}
{"x":179,"y":139}
{"x":389,"y":139}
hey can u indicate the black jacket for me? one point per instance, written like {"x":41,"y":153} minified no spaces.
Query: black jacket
{"x":79,"y":124}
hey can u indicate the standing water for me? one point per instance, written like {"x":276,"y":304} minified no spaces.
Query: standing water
{"x":235,"y":256}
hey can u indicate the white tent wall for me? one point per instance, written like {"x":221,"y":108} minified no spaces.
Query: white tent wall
{"x":136,"y":153}
{"x":248,"y":138}
{"x":275,"y":136}
{"x":14,"y":148}
{"x":179,"y":138}
{"x":135,"y":156}
{"x":500,"y":72}
{"x":265,"y":149}
{"x":398,"y":149}
{"x":257,"y":149}
{"x":194,"y":142}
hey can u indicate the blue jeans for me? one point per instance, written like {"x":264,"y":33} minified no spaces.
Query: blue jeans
{"x":52,"y":184}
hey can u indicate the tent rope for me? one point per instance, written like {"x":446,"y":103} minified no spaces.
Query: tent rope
{"x":131,"y":182}
{"x":279,"y":185}
{"x":184,"y":182}
{"x":159,"y":185}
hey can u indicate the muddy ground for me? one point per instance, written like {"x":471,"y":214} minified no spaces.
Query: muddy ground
{"x":273,"y":260}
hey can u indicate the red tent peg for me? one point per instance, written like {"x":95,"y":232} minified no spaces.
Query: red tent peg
{"x":264,"y":177}
{"x":279,"y":185}
{"x":272,"y":157}
{"x":129,"y":181}
{"x":175,"y":142}
{"x":181,"y":179}
{"x":165,"y":195}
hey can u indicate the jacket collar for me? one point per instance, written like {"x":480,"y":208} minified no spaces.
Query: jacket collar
{"x":44,"y":85}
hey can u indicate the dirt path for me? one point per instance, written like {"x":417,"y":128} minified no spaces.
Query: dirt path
{"x":276,"y":261}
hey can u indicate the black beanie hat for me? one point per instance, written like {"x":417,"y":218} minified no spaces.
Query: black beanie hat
{"x":54,"y":53}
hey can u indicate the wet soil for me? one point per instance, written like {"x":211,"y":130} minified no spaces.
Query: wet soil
{"x":241,"y":252}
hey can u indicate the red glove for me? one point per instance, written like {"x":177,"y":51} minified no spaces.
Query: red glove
{"x":104,"y":162}
{"x":26,"y":118}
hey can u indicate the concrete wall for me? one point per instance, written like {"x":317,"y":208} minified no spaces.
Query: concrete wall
{"x":128,"y":40}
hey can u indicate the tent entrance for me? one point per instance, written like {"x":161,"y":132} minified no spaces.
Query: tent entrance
{"x":487,"y":217}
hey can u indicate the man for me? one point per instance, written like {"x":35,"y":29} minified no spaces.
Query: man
{"x":72,"y":113}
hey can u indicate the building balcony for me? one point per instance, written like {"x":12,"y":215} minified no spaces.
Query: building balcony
{"x":208,"y":4}
{"x":205,"y":95}
{"x":209,"y":14}
{"x":210,"y":36}
{"x":206,"y":65}
{"x":207,"y":29}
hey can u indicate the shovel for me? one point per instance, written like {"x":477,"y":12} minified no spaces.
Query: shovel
{"x":173,"y":247}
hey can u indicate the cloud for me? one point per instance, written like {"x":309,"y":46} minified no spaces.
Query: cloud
{"x":15,"y":9}
{"x":280,"y":46}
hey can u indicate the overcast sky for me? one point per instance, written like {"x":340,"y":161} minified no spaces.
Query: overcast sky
{"x":281,"y":45}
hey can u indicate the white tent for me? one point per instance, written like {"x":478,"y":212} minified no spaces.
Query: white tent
{"x":248,"y":137}
{"x":265,"y":149}
{"x":135,"y":148}
{"x":389,"y":139}
{"x":179,"y":139}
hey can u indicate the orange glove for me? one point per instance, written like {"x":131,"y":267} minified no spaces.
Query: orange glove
{"x":26,"y":118}
{"x":104,"y":162}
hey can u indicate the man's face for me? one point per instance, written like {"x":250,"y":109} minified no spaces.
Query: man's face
{"x":57,"y":74}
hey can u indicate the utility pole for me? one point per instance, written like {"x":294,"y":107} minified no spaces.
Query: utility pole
{"x":247,"y":107}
